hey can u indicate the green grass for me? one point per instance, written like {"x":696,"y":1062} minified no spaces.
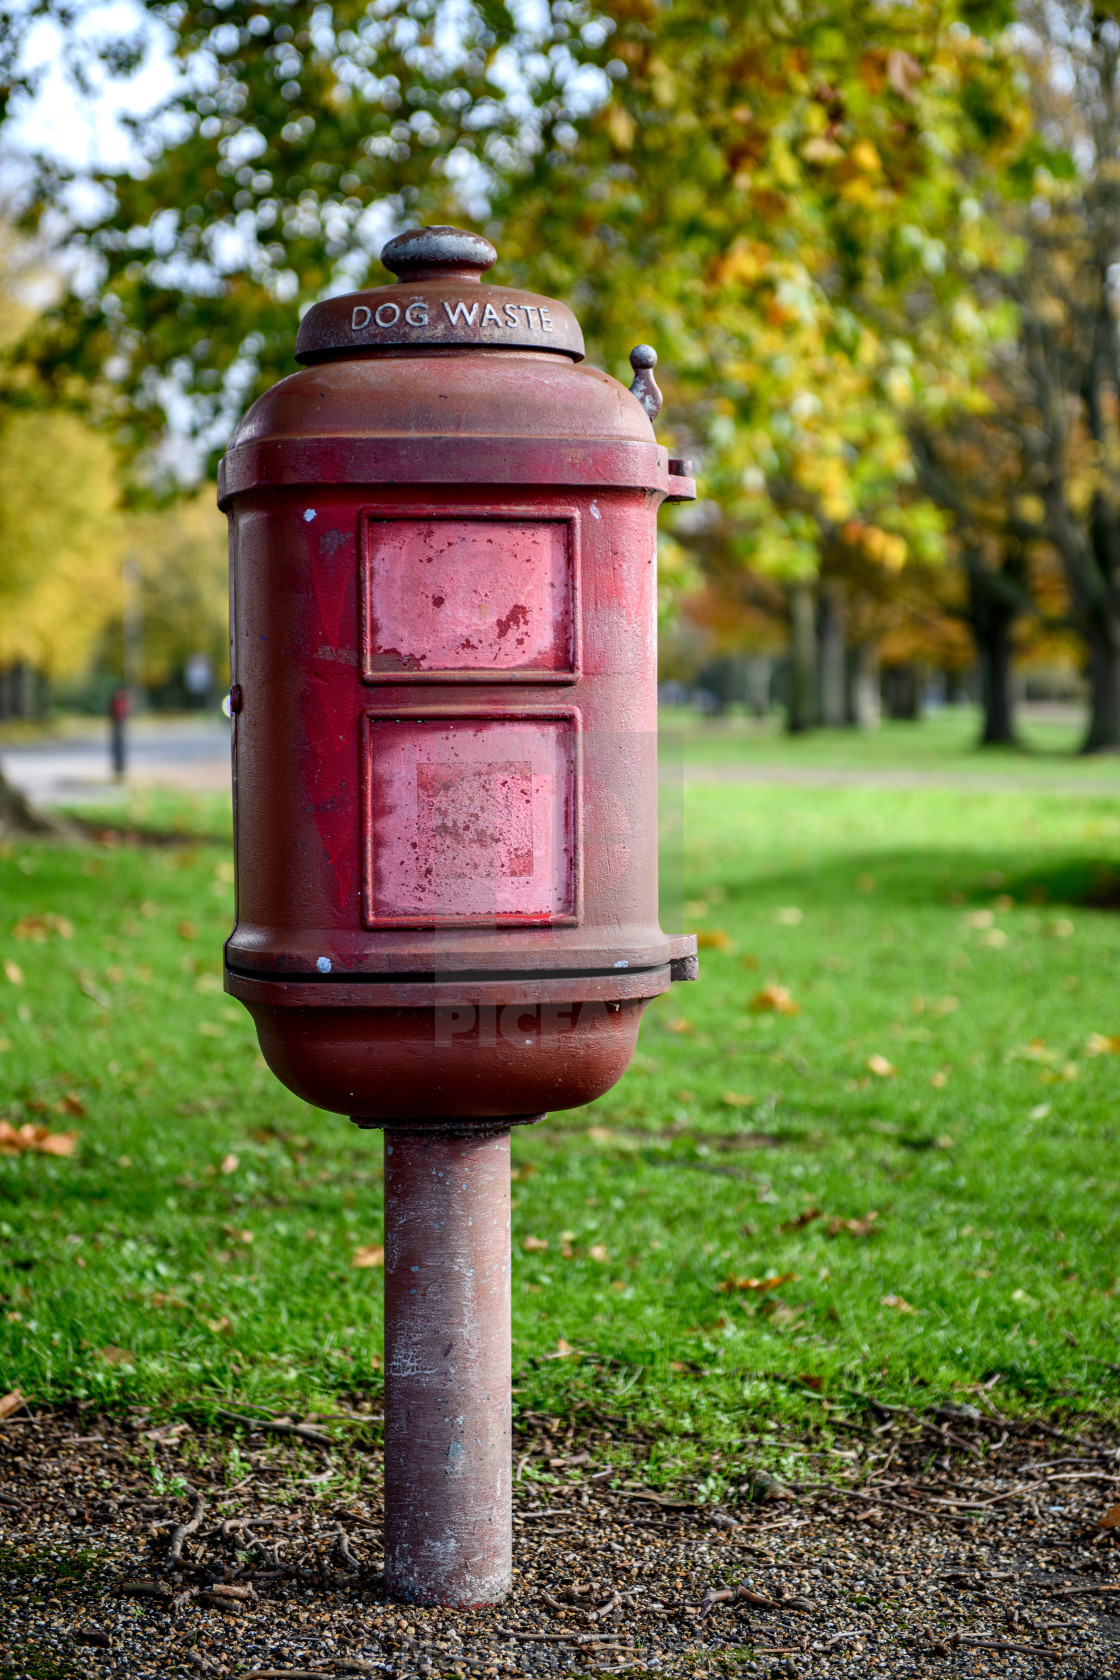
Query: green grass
{"x":989,"y":1154}
{"x":943,"y":744}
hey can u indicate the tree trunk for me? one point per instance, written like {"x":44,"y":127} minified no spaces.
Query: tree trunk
{"x":803,"y":660}
{"x":1102,"y":637}
{"x":864,"y":700}
{"x":19,"y":816}
{"x":833,"y":636}
{"x":994,"y":603}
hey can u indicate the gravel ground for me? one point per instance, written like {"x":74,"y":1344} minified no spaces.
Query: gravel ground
{"x":949,"y":1544}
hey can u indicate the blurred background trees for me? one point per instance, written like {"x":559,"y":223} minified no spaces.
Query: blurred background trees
{"x":872,"y":242}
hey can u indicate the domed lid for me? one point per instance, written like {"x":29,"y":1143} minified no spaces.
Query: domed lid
{"x":438,"y":300}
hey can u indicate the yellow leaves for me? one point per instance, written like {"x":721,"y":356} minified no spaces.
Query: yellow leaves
{"x":864,"y":156}
{"x":13,"y":972}
{"x":745,"y":262}
{"x":621,"y":127}
{"x":880,"y":1067}
{"x":368,"y":1257}
{"x":37,"y":1140}
{"x":737,"y":1099}
{"x":774,"y":999}
{"x":1099,"y":1044}
{"x":38,"y":928}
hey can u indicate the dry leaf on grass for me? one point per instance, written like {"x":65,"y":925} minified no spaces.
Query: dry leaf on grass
{"x":715,"y":939}
{"x":598,"y":1252}
{"x":897,"y":1302}
{"x":1111,"y":1518}
{"x":733,"y":1285}
{"x":185,"y":930}
{"x":229,"y":1164}
{"x":789,"y":916}
{"x":534,"y":1245}
{"x":373,"y":1254}
{"x":1100,"y":1044}
{"x":219,"y":1326}
{"x":1060,"y":928}
{"x":37,"y":928}
{"x":13,"y":971}
{"x":774,"y":999}
{"x":681,"y":1025}
{"x":113,"y":1355}
{"x":10,"y":1403}
{"x":854,"y":1227}
{"x":737,"y":1099}
{"x":880,"y":1067}
{"x":37,"y":1139}
{"x":979,"y":919}
{"x":803,"y":1219}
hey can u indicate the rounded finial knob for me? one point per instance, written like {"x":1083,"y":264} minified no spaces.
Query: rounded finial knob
{"x":643,"y":359}
{"x":438,"y":253}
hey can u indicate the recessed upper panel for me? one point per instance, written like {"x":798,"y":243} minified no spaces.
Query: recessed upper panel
{"x":457,"y":599}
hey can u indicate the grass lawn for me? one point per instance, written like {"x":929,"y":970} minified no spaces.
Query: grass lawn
{"x":924,"y":1154}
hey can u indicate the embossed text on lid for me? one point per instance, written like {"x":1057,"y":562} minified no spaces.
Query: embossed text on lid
{"x":438,"y":300}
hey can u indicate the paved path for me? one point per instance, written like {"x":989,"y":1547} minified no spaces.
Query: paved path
{"x":975,"y":781}
{"x":190,"y":754}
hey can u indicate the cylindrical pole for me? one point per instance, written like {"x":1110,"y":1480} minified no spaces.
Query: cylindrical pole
{"x":448,"y":1514}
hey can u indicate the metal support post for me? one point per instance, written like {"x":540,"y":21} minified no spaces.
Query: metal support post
{"x":448,"y":1512}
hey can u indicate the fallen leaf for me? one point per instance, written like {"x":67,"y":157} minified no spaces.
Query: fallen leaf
{"x":737,"y":1099}
{"x":939,"y":1080}
{"x":789,"y":916}
{"x":373,"y":1254}
{"x":803,"y":1219}
{"x":234,"y":1235}
{"x":732,"y":1284}
{"x":897,"y":1302}
{"x":112,"y":1355}
{"x":1100,"y":1044}
{"x":946,"y":1006}
{"x":1039,"y":1111}
{"x":761,"y":1486}
{"x":211,"y":1029}
{"x":598,"y":1252}
{"x":219,"y":1326}
{"x":13,"y":971}
{"x":979,"y":919}
{"x":534,"y":1245}
{"x":37,"y":928}
{"x":600,"y":1135}
{"x":35,"y":1138}
{"x":1111,"y":1518}
{"x":229,"y":1164}
{"x":522,"y":1171}
{"x":185,"y":929}
{"x":159,"y":1299}
{"x":944,"y":1142}
{"x":866,"y":883}
{"x":681,"y":1025}
{"x":995,"y":938}
{"x":10,"y":1403}
{"x":854,"y":1227}
{"x":715,"y":939}
{"x":1060,"y":928}
{"x":563,"y":1350}
{"x":749,"y":961}
{"x":780,"y":1312}
{"x":880,"y":1066}
{"x":774,"y":998}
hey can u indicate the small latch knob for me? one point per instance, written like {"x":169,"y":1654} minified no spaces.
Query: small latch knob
{"x":643,"y":359}
{"x":438,"y":253}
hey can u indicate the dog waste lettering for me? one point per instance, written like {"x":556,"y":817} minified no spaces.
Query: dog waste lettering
{"x":442,"y":541}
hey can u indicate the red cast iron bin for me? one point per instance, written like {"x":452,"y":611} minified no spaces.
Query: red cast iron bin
{"x":442,"y":587}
